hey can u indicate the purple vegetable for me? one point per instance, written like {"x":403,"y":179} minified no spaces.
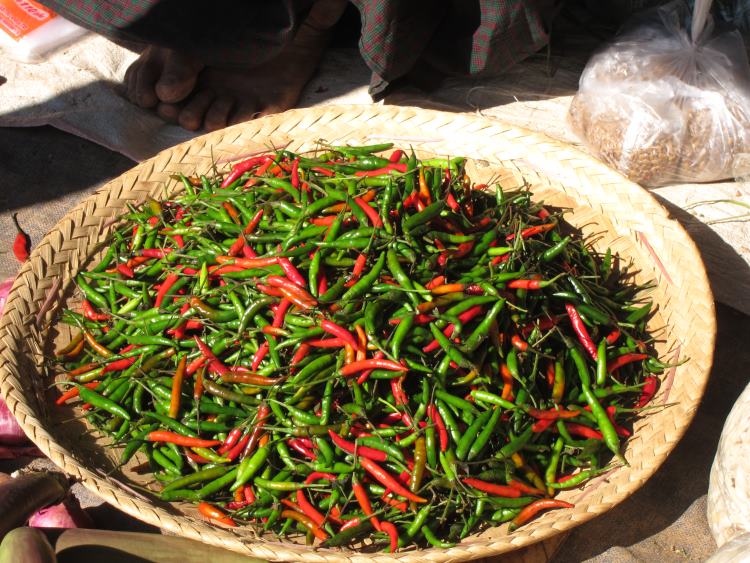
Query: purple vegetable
{"x":67,"y":514}
{"x":10,"y":432}
{"x":4,"y":290}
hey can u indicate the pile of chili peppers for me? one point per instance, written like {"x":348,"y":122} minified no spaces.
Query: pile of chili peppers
{"x":359,"y":348}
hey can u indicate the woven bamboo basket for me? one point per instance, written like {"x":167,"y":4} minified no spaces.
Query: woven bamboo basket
{"x":622,"y":215}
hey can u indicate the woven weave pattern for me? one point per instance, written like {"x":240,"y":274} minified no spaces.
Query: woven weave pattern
{"x":602,"y":203}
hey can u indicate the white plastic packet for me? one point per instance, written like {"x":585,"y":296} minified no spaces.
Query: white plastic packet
{"x":29,"y":30}
{"x":728,"y":506}
{"x":663,"y":108}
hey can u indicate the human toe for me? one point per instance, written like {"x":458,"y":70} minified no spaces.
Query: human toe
{"x":178,"y":77}
{"x":217,"y":115}
{"x":193,"y":113}
{"x":169,"y":112}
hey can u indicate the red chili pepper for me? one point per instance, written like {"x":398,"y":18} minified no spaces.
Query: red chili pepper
{"x":500,"y":259}
{"x":125,"y":270}
{"x":302,"y":351}
{"x":297,"y":445}
{"x":397,"y":166}
{"x":492,"y":488}
{"x":613,"y":337}
{"x":119,"y":365}
{"x":551,"y":414}
{"x":452,"y":203}
{"x":237,"y":246}
{"x":259,"y":355}
{"x":253,"y":224}
{"x":525,"y":489}
{"x":248,"y":263}
{"x":542,"y":324}
{"x":648,"y":391}
{"x":136,"y":261}
{"x":195,"y":365}
{"x":365,"y":375}
{"x":372,"y":215}
{"x":364,"y":502}
{"x":241,"y":167}
{"x":249,"y":494}
{"x":293,"y":292}
{"x":155,"y":252}
{"x":359,"y":267}
{"x":332,"y":328}
{"x":399,"y":397}
{"x":198,"y":387}
{"x":180,"y":440}
{"x":295,"y":173}
{"x":531,"y":231}
{"x":351,"y":523}
{"x":291,"y":272}
{"x":226,"y":269}
{"x":323,"y":221}
{"x":234,"y":452}
{"x":317,"y":475}
{"x":255,"y":437}
{"x":73,"y":392}
{"x":372,"y":363}
{"x":624,"y":360}
{"x":434,"y":282}
{"x":437,"y":420}
{"x":214,"y":364}
{"x":327,"y":343}
{"x":280,"y":313}
{"x":581,"y":331}
{"x":396,"y":155}
{"x":214,"y":513}
{"x":325,"y":171}
{"x":309,"y":509}
{"x":22,"y":242}
{"x":350,"y":447}
{"x":401,"y":505}
{"x":518,"y":344}
{"x":90,"y":313}
{"x":196,"y":458}
{"x":231,"y":440}
{"x":583,"y":431}
{"x":531,"y":510}
{"x":392,"y":532}
{"x":411,"y":200}
{"x":170,"y":280}
{"x":262,"y":169}
{"x":542,"y":425}
{"x":528,"y":284}
{"x":420,"y":319}
{"x":387,"y":480}
{"x":272,"y":291}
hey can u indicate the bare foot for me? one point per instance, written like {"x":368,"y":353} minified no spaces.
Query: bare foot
{"x":185,"y":92}
{"x":161,"y":75}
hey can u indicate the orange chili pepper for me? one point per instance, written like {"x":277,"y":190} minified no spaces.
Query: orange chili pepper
{"x":174,"y":403}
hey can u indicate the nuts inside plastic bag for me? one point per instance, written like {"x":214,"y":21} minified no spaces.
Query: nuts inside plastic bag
{"x":662,"y":108}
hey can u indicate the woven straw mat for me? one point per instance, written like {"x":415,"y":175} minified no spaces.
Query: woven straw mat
{"x":622,"y":215}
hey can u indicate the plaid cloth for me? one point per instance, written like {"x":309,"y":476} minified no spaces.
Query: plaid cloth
{"x":455,"y":37}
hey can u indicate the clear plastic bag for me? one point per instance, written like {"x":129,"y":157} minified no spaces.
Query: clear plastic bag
{"x":661,"y":108}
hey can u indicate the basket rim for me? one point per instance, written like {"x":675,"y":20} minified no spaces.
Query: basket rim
{"x":158,"y":516}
